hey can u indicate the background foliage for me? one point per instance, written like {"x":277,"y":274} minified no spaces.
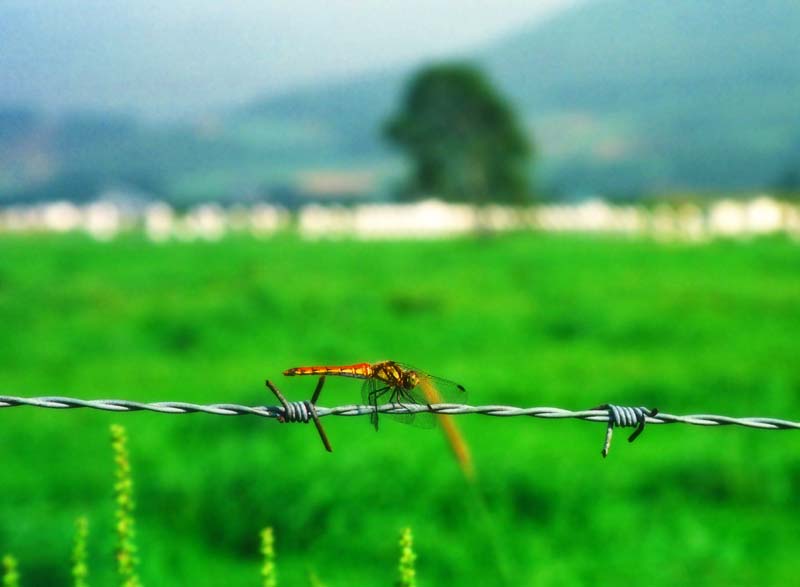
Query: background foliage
{"x":527,"y":320}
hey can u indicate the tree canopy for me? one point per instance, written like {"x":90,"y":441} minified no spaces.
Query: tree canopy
{"x":462,"y":136}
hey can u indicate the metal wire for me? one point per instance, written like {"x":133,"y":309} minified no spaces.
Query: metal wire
{"x":594,"y":415}
{"x":308,"y":411}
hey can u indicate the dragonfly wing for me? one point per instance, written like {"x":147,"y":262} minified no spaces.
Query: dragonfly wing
{"x":429,"y":390}
{"x":434,"y":390}
{"x":442,"y":391}
{"x":438,"y":390}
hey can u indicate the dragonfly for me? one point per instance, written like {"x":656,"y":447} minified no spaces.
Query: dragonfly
{"x":393,"y":382}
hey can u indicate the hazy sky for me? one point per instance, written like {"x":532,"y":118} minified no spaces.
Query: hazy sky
{"x":329,"y":36}
{"x":183,"y":56}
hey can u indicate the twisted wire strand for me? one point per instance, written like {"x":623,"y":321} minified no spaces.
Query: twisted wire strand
{"x":547,"y":413}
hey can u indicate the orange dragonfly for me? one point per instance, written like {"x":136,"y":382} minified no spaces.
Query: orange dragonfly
{"x":393,"y":382}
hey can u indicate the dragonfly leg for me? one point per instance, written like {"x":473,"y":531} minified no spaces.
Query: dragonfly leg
{"x":372,"y":398}
{"x":405,"y":400}
{"x":410,"y":399}
{"x":381,"y":392}
{"x":397,"y":397}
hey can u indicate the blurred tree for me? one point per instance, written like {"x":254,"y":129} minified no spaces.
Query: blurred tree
{"x":463,"y":137}
{"x":789,"y":181}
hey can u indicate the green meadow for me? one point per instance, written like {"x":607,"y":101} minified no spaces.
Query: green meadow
{"x":525,"y":320}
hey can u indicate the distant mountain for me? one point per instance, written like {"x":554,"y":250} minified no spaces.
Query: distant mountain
{"x":623,"y":96}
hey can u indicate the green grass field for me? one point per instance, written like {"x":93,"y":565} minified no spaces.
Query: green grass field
{"x":526,"y":320}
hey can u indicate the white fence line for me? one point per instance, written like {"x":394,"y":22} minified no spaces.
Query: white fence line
{"x":430,"y":219}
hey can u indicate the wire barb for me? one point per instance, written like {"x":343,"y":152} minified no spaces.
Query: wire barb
{"x":622,"y":417}
{"x":302,"y":411}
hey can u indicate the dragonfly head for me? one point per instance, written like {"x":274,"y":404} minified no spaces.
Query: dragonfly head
{"x":409,"y":379}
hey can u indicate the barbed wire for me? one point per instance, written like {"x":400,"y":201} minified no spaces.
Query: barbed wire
{"x":307,"y":411}
{"x":599,"y":414}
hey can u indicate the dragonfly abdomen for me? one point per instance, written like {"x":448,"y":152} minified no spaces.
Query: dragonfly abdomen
{"x":359,"y":370}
